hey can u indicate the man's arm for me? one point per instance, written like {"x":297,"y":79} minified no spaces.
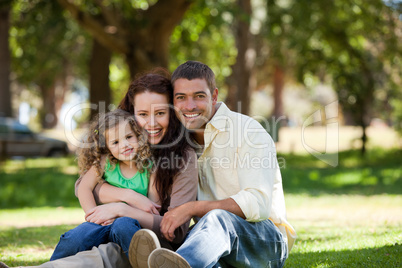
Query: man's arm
{"x":179,"y":215}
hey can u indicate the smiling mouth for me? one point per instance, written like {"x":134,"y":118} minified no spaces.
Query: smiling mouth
{"x":191,"y":116}
{"x":153,"y":133}
{"x":128,"y":151}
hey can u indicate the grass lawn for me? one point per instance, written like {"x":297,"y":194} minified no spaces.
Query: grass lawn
{"x":348,"y":216}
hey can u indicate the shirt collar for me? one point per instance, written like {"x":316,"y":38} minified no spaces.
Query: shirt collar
{"x":219,"y":120}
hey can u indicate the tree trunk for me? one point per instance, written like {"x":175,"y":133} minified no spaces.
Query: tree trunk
{"x":279,"y":83}
{"x":364,"y":139}
{"x":48,"y":113}
{"x":240,"y":80}
{"x":5,"y":93}
{"x":143,"y":40}
{"x":99,"y":89}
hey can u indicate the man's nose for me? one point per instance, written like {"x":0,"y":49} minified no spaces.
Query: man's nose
{"x":190,"y":104}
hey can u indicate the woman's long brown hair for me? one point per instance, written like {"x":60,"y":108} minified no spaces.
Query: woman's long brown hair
{"x":169,"y":155}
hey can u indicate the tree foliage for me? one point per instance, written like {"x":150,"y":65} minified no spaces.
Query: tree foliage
{"x":139,"y":30}
{"x":355,"y":45}
{"x":47,"y":47}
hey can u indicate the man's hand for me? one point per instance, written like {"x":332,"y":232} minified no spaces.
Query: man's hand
{"x":174,"y":218}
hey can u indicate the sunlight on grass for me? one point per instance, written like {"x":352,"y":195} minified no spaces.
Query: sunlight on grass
{"x":41,"y":216}
{"x":347,"y":216}
{"x":12,"y":166}
{"x":31,"y":245}
{"x":345,"y":230}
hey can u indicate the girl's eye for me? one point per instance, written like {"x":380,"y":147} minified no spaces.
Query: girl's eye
{"x":160,"y":113}
{"x":115,"y":142}
{"x":142,"y":114}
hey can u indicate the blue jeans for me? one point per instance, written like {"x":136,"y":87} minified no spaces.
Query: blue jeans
{"x":222,"y":239}
{"x":88,"y":235}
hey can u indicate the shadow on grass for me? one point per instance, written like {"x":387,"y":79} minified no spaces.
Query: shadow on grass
{"x":387,"y":256}
{"x":379,"y":172}
{"x":37,"y":187}
{"x":25,"y":246}
{"x":45,"y":236}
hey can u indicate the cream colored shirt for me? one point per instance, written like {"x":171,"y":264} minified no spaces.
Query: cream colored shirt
{"x":239,"y":161}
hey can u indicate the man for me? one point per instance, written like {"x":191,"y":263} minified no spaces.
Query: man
{"x":240,"y":209}
{"x":240,"y":198}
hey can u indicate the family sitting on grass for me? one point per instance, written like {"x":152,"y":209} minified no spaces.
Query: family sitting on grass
{"x":182,"y":156}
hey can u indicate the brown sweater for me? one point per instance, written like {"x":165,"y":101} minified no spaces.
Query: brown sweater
{"x":183,"y":190}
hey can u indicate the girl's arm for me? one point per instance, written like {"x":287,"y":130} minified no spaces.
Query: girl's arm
{"x":152,"y":192}
{"x":110,"y":194}
{"x":84,"y":193}
{"x":103,"y":214}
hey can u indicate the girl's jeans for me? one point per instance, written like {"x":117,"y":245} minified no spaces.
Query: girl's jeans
{"x":88,"y":235}
{"x":222,"y":239}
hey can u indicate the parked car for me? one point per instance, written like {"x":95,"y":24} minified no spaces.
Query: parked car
{"x":17,"y":139}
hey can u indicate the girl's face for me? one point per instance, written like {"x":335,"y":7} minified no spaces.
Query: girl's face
{"x":151,"y":111}
{"x":121,"y":141}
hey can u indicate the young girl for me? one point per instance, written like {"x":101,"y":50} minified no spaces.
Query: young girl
{"x":149,"y":98}
{"x":116,"y":149}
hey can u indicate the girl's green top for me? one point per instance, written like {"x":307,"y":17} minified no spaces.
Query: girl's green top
{"x":139,"y":182}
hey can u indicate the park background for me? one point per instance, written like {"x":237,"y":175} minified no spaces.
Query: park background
{"x":324,"y":78}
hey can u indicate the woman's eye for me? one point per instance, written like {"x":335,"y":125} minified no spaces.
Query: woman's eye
{"x":160,"y":113}
{"x":142,"y":114}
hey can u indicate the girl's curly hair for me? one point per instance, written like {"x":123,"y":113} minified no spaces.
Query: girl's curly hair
{"x":95,"y":144}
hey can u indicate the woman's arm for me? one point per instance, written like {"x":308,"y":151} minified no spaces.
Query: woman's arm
{"x":105,"y":193}
{"x":84,"y":193}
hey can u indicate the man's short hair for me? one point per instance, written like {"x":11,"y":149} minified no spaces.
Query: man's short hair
{"x":195,"y":70}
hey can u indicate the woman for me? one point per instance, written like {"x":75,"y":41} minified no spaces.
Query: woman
{"x":150,"y":99}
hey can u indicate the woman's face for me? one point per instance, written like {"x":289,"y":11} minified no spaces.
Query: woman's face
{"x":151,"y":111}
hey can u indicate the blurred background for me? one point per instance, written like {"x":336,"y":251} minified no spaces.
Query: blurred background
{"x":279,"y":60}
{"x":323,"y":77}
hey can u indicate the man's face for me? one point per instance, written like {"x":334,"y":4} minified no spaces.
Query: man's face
{"x":194,"y":103}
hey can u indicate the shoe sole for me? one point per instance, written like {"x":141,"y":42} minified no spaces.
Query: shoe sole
{"x":141,"y":246}
{"x":164,"y":258}
{"x":3,"y":265}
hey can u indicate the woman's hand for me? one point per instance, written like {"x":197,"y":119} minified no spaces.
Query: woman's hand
{"x":104,"y":214}
{"x":140,"y":201}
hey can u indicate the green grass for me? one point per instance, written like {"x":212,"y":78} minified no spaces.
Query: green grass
{"x":38,"y":182}
{"x":379,"y":172}
{"x":347,"y":216}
